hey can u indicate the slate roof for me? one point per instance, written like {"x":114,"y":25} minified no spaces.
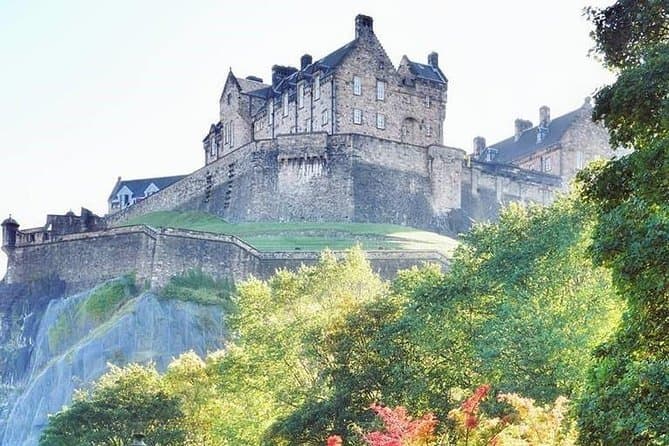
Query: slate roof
{"x":139,"y":186}
{"x":427,"y":72}
{"x":509,"y":150}
{"x":325,"y":65}
{"x":248,"y":85}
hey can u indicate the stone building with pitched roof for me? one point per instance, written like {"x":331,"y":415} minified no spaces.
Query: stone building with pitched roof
{"x":355,"y":89}
{"x":561,"y":146}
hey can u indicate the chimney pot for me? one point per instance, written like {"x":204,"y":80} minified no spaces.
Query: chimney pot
{"x":479,"y":146}
{"x":254,"y":78}
{"x":544,"y":116}
{"x":520,"y":125}
{"x":364,"y":25}
{"x":433,"y":59}
{"x":305,"y":61}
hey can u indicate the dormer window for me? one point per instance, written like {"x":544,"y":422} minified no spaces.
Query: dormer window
{"x":357,"y":85}
{"x":213,"y":146}
{"x":546,"y":164}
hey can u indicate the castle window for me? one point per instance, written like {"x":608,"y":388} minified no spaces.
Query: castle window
{"x":546,"y":164}
{"x":357,"y":86}
{"x":357,"y":116}
{"x":317,"y":87}
{"x":428,"y":130}
{"x":300,"y":95}
{"x":229,"y":98}
{"x":380,"y":90}
{"x":307,"y":125}
{"x":285,"y":104}
{"x":325,"y":117}
{"x":270,"y":112}
{"x":213,"y":146}
{"x":232,"y":134}
{"x":579,"y":160}
{"x":380,"y":121}
{"x":226,"y":138}
{"x":427,"y":101}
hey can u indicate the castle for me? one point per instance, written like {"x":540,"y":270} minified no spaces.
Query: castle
{"x":345,"y":138}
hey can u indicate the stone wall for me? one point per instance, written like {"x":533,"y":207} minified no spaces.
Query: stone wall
{"x":486,"y":187}
{"x":84,"y":260}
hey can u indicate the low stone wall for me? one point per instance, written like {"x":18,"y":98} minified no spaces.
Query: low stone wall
{"x":83,"y":260}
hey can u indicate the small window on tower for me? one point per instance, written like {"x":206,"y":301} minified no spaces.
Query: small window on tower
{"x":380,"y":121}
{"x":380,"y":90}
{"x":285,"y":104}
{"x":357,"y":116}
{"x":357,"y":86}
{"x":325,"y":117}
{"x":229,"y":98}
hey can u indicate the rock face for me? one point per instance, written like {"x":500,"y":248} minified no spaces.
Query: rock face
{"x":75,"y":338}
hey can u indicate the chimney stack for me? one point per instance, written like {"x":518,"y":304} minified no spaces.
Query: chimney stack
{"x":280,"y":72}
{"x":305,"y":61}
{"x":544,"y":116}
{"x":433,"y":59}
{"x":364,"y":26}
{"x":520,"y":125}
{"x":479,"y":146}
{"x":254,"y":78}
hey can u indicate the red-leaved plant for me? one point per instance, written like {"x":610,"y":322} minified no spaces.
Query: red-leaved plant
{"x":400,"y":429}
{"x":334,"y":440}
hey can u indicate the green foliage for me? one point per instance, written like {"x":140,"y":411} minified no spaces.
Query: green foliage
{"x":105,"y":299}
{"x":628,"y":392}
{"x":122,"y":402}
{"x":196,"y":286}
{"x":521,"y":307}
{"x":96,"y":308}
{"x":283,"y":326}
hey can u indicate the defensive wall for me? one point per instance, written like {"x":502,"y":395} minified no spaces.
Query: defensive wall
{"x":348,"y":177}
{"x":83,"y":260}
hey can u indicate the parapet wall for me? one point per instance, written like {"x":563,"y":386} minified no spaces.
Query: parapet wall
{"x":487,"y":187}
{"x":85,"y":259}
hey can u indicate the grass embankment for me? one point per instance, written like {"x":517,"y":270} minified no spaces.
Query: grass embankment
{"x":266,"y":236}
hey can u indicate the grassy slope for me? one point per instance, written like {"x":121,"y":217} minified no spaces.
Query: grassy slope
{"x":305,"y":236}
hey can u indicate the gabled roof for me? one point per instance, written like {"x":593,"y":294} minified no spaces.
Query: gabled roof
{"x":427,"y":72}
{"x":139,"y":186}
{"x":510,"y":150}
{"x":248,"y":85}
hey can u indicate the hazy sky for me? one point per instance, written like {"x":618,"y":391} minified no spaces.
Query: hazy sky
{"x":93,"y":90}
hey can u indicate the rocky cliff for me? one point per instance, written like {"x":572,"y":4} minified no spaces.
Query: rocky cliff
{"x":53,"y":344}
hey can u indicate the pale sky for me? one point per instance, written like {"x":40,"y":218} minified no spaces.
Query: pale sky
{"x":93,"y":90}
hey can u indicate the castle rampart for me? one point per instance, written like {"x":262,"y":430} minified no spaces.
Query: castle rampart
{"x":83,"y":260}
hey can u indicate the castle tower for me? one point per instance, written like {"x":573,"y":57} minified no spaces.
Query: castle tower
{"x":9,"y":229}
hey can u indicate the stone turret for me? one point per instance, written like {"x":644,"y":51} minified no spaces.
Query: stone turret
{"x":9,"y":229}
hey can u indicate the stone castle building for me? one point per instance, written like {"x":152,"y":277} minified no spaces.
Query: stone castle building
{"x":345,"y":138}
{"x":355,"y":89}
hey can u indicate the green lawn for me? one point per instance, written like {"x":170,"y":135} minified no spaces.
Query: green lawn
{"x":266,"y":236}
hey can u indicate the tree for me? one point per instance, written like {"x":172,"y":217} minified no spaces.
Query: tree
{"x":124,"y":401}
{"x":628,"y":389}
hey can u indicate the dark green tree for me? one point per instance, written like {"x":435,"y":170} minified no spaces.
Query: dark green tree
{"x":627,"y":397}
{"x":124,"y":401}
